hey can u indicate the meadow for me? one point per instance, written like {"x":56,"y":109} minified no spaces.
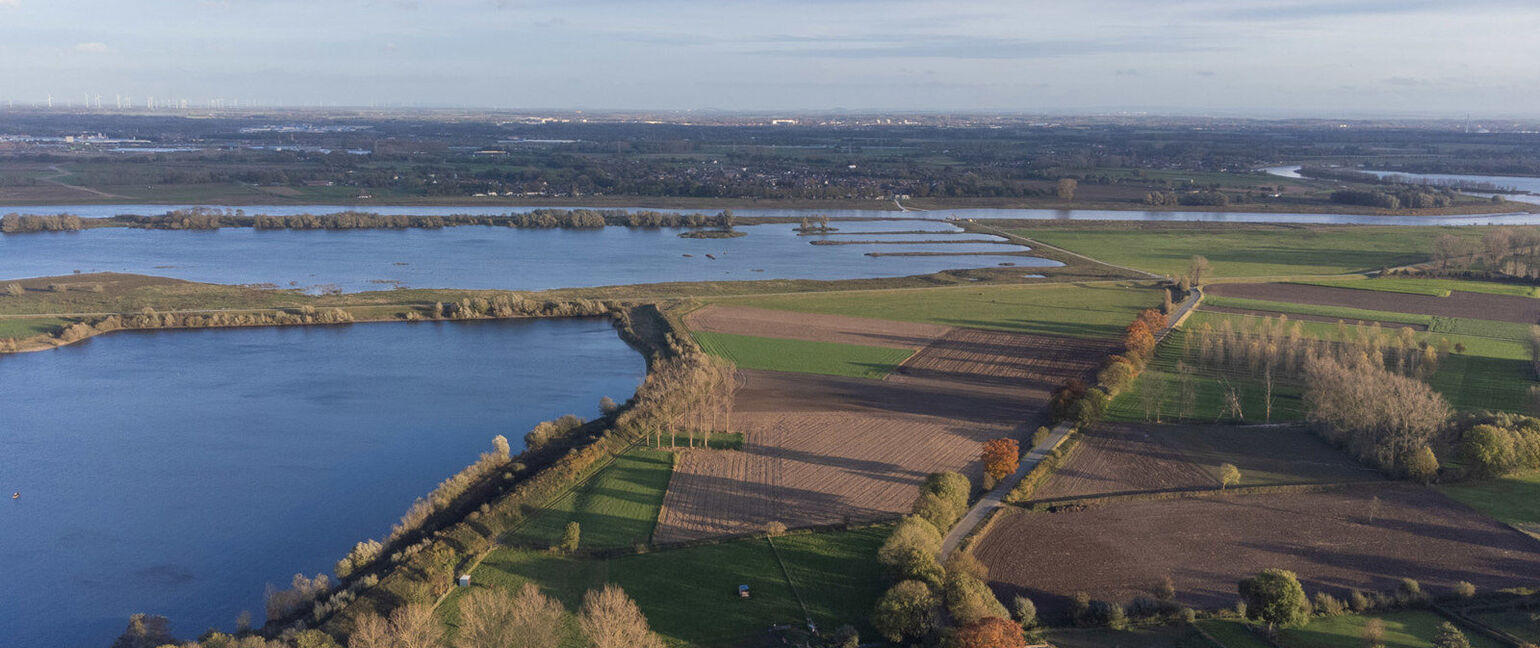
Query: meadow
{"x":617,"y":507}
{"x":1247,"y":250}
{"x":1514,"y":499}
{"x":1403,"y":629}
{"x":690,"y":595}
{"x":1093,"y":310}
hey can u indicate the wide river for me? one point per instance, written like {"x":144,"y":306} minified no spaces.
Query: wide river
{"x":483,"y":257}
{"x":106,"y":210}
{"x":180,"y":472}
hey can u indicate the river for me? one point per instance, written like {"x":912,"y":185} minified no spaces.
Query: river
{"x":1521,"y":183}
{"x":106,"y":210}
{"x":180,"y":472}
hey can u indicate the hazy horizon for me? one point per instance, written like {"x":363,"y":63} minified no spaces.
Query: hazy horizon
{"x":1247,"y":58}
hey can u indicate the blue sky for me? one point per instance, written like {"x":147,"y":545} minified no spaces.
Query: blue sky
{"x":1267,"y":57}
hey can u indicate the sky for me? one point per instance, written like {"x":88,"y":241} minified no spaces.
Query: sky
{"x":1224,"y":57}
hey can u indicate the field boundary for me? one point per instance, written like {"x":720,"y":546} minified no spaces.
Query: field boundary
{"x":1051,"y":505}
{"x":786,"y":573}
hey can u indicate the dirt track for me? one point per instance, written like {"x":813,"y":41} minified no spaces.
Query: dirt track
{"x":1503,"y":308}
{"x":829,"y":449}
{"x":1207,"y":544}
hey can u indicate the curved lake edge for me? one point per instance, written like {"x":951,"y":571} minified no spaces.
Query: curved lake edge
{"x":643,"y":328}
{"x":633,"y":327}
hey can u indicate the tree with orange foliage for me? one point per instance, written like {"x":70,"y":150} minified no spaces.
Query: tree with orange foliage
{"x":1153,"y":318}
{"x":990,"y":632}
{"x":1001,"y":457}
{"x":1139,"y":341}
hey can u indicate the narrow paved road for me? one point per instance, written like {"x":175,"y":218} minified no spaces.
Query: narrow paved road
{"x":996,"y":498}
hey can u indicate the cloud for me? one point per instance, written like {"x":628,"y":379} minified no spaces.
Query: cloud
{"x":91,"y":48}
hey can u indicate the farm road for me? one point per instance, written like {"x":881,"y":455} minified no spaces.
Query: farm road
{"x":994,"y":499}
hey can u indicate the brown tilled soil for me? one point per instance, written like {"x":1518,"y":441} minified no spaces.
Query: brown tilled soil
{"x":1123,"y":459}
{"x":1503,"y":308}
{"x":1310,"y":318}
{"x":1336,"y":541}
{"x":742,"y":320}
{"x":830,"y":449}
{"x":1032,"y":362}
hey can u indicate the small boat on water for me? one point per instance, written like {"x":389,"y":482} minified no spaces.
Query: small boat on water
{"x":16,"y":495}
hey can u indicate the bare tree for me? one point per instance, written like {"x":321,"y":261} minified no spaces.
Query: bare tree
{"x":371,"y":631}
{"x":1232,"y":404}
{"x":610,"y":619}
{"x":1189,"y":388}
{"x":415,"y":626}
{"x":1197,"y":268}
{"x":500,"y":619}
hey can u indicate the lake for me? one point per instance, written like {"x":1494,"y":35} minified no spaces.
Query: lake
{"x":179,"y":472}
{"x":485,"y":257}
{"x":877,"y":211}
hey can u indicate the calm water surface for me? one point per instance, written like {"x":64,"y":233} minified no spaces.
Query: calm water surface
{"x":476,"y":257}
{"x":179,"y":472}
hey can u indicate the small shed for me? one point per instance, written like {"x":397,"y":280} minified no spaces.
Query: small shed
{"x":465,"y":580}
{"x":743,"y":591}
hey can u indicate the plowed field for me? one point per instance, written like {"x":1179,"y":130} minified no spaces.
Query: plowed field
{"x":831,"y":449}
{"x":1365,"y":537}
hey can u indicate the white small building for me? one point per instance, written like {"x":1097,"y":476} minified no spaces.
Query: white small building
{"x":465,"y":580}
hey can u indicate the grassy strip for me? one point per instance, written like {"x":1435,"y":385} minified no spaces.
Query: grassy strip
{"x":1246,"y":250}
{"x":1339,"y":312}
{"x":1076,"y":310}
{"x":801,"y":356}
{"x":617,"y":508}
{"x":1482,"y":328}
{"x":1403,"y":629}
{"x":28,"y":327}
{"x":690,"y":595}
{"x":1514,"y":499}
{"x":1432,"y":287}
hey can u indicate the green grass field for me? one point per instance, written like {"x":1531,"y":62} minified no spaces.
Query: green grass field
{"x":1490,"y":374}
{"x":1516,"y":622}
{"x":28,"y":327}
{"x":690,"y":595}
{"x":1209,"y":386}
{"x":1249,"y":251}
{"x":1077,"y":310}
{"x":1434,"y":287}
{"x":1403,"y":629}
{"x":1346,"y":314}
{"x":829,"y":358}
{"x":618,"y":507}
{"x":1514,"y":499}
{"x":1160,"y":636}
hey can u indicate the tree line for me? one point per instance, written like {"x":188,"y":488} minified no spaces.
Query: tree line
{"x":488,"y":618}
